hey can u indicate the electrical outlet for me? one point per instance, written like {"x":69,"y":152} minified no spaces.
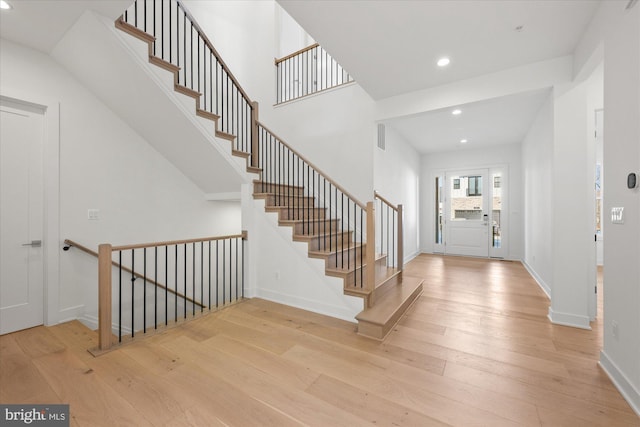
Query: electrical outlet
{"x":614,"y":329}
{"x":277,"y":274}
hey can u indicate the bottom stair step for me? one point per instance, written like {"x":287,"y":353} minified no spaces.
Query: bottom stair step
{"x":377,"y":321}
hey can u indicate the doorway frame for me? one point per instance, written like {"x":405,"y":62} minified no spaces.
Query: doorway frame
{"x":51,"y":203}
{"x":430,"y":206}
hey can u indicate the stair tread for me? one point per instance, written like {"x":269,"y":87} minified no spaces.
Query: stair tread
{"x":267,"y":184}
{"x":309,"y":220}
{"x":388,"y":305}
{"x":353,"y":245}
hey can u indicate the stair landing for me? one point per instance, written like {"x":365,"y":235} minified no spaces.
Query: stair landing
{"x":376,"y":322}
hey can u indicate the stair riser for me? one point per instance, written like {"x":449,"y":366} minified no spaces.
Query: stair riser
{"x":299,"y":213}
{"x":346,"y":259}
{"x":328,"y":226}
{"x":331,"y":242}
{"x":272,"y":200}
{"x":282,"y":190}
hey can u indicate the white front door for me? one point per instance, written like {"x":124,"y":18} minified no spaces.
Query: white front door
{"x":467,"y":213}
{"x":21,"y":217}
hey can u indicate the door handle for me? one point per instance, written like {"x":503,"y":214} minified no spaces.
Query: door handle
{"x":34,"y":243}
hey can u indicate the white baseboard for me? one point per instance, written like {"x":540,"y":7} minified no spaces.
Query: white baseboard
{"x":543,"y":285}
{"x":620,"y":380}
{"x":568,"y":319}
{"x":344,"y":313}
{"x":91,"y":322}
{"x":70,"y":313}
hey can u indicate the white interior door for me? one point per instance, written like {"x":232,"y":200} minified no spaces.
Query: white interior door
{"x":21,"y":217}
{"x":467,"y":213}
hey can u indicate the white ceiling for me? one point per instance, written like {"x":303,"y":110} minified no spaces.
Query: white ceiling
{"x":40,"y":24}
{"x":391,"y":48}
{"x":497,"y":121}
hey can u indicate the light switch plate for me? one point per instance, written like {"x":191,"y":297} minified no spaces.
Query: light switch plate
{"x":93,"y":214}
{"x":617,"y":215}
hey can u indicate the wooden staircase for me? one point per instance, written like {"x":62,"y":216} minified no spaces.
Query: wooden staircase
{"x":393,"y":293}
{"x":344,"y":258}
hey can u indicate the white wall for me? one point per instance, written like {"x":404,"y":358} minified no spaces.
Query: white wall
{"x":244,"y":34}
{"x":621,"y":353}
{"x":290,"y":36}
{"x":508,"y":155}
{"x":537,"y":166}
{"x":105,"y":165}
{"x":397,"y":179}
{"x":334,"y":130}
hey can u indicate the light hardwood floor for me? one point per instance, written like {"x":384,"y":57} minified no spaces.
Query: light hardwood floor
{"x":476,"y":349}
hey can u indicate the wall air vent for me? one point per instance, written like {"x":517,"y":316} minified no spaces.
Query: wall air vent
{"x":381,"y":137}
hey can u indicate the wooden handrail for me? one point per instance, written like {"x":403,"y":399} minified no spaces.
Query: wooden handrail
{"x":303,"y":158}
{"x":296,"y":53}
{"x":215,"y":52}
{"x":242,"y":235}
{"x":73,"y":244}
{"x":391,"y":205}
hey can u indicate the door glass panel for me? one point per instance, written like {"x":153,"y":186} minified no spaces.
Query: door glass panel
{"x":439,"y":209}
{"x":466,"y":198}
{"x":496,"y":210}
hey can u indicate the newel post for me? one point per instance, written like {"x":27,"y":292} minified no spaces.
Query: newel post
{"x":400,"y":249}
{"x":370,"y":269}
{"x":255,"y":148}
{"x":104,"y":297}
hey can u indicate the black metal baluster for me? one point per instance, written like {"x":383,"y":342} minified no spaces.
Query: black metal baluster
{"x":175,"y":296}
{"x":362,"y":225}
{"x":162,"y":30}
{"x":230,"y":272}
{"x":201,"y":277}
{"x":119,"y":296}
{"x":209,"y":260}
{"x":243,"y":269}
{"x":144,"y":291}
{"x":154,"y":28}
{"x":236,"y":268}
{"x":193,"y":279}
{"x":217,"y":274}
{"x":166,"y":288}
{"x":184,"y":297}
{"x":224,"y":273}
{"x":155,"y":289}
{"x":133,"y":300}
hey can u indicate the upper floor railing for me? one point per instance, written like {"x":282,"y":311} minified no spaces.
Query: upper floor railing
{"x":307,"y":71}
{"x":179,"y":41}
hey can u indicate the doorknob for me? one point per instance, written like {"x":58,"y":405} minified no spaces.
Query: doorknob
{"x":34,"y":243}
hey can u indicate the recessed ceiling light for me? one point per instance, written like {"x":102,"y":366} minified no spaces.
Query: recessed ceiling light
{"x":463,"y":141}
{"x":456,"y":112}
{"x":443,"y":62}
{"x":4,"y":5}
